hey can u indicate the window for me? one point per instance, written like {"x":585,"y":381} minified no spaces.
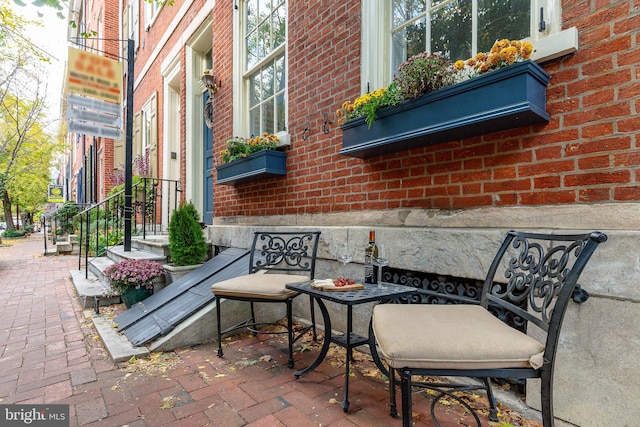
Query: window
{"x":145,"y":137}
{"x":130,"y":27}
{"x":151,"y":9}
{"x":264,"y":43}
{"x":457,"y":28}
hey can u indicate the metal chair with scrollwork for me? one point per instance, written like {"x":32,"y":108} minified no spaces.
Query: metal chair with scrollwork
{"x":276,"y":258}
{"x":529,"y":285}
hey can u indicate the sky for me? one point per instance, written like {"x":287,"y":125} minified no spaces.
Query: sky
{"x":52,"y":39}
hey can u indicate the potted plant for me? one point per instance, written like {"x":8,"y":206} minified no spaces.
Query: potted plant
{"x":133,"y":279}
{"x":251,"y":159}
{"x":432,"y":101}
{"x":187,"y":245}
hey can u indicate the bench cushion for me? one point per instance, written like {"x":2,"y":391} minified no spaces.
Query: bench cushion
{"x":264,"y":286}
{"x":457,"y":336}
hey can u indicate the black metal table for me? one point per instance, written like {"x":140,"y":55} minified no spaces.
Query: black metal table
{"x":371,"y":293}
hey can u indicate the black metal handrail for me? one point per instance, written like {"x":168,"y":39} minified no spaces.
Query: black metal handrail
{"x":102,"y":225}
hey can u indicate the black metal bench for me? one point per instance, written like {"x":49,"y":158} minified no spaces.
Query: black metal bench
{"x":530,"y":282}
{"x":276,"y":258}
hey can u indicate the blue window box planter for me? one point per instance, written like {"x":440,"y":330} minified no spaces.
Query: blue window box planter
{"x":256,"y":166}
{"x":512,"y":97}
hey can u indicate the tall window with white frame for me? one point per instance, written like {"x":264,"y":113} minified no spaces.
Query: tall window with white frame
{"x":457,"y":28}
{"x":265,"y":72}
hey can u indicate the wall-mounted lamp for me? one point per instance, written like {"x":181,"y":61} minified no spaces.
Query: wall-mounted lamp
{"x":210,"y":82}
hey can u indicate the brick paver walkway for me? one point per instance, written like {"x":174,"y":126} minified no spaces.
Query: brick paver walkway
{"x":49,"y":353}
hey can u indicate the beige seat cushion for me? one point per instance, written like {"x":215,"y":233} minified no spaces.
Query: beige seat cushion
{"x":460,"y":336}
{"x":267,"y":286}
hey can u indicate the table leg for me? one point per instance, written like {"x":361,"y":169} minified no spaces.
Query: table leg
{"x":326,"y":343}
{"x":345,"y":402}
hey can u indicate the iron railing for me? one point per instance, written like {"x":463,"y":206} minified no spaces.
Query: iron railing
{"x":102,"y":225}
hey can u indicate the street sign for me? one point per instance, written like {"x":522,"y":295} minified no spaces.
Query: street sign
{"x":56,"y":194}
{"x":93,"y":104}
{"x":94,"y":116}
{"x":94,"y":75}
{"x":94,"y":129}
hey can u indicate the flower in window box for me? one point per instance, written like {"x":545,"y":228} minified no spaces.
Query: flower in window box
{"x":503,"y":53}
{"x":424,"y":73}
{"x":239,"y":148}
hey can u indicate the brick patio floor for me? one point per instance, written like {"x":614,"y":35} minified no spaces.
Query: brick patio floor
{"x":50,"y":353}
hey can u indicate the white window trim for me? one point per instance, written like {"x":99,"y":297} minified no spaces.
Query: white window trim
{"x":240,"y":74}
{"x":552,"y":43}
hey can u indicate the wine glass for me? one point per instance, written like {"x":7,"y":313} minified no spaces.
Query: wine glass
{"x":381,"y":260}
{"x":344,"y":256}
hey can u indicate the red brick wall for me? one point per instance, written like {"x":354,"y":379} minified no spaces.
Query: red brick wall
{"x":587,"y":153}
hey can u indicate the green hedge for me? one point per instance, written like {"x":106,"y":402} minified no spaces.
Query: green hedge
{"x":9,"y":234}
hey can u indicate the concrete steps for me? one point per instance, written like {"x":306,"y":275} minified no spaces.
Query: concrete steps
{"x":68,"y":245}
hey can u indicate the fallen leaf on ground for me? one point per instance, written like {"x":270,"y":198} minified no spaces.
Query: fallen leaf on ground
{"x":168,"y":402}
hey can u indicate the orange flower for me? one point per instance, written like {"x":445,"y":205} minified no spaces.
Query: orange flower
{"x":526,"y":50}
{"x":499,"y":45}
{"x":509,"y":54}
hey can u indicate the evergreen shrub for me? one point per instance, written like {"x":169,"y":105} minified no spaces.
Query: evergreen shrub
{"x":187,"y":245}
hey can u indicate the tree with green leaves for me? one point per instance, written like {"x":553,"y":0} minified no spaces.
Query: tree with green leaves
{"x":26,"y":149}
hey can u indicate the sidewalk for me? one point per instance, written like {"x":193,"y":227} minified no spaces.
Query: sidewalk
{"x":50,"y":353}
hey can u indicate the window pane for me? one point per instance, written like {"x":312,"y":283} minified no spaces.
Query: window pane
{"x":503,"y":19}
{"x":252,"y":15}
{"x":268,"y":123}
{"x":409,"y":41}
{"x":254,"y":121}
{"x":280,"y":82}
{"x":399,"y":49}
{"x":252,"y":50}
{"x":451,"y":28}
{"x":406,"y":10}
{"x":255,"y":92}
{"x":280,"y":113}
{"x":267,"y":81}
{"x":279,"y":25}
{"x":264,"y":40}
{"x":264,"y":10}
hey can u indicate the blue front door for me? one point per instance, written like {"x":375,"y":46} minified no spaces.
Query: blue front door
{"x":207,"y":134}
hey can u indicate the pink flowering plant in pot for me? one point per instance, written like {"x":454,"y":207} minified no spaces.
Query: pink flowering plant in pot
{"x":133,"y":274}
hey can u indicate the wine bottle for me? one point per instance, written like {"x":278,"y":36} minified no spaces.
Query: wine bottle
{"x":370,"y":253}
